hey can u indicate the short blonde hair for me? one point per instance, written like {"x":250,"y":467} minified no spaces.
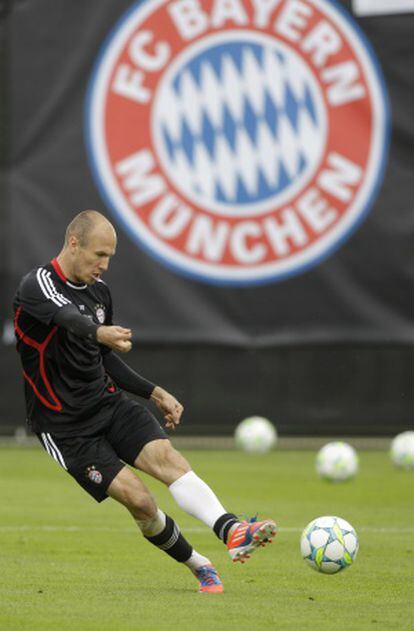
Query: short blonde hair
{"x":82,"y":225}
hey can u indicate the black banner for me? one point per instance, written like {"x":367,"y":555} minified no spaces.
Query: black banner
{"x":256,"y":161}
{"x":356,"y":283}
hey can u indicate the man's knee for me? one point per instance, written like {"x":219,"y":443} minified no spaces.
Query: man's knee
{"x":132,"y":493}
{"x":138,"y":501}
{"x":168,"y":455}
{"x":161,"y":460}
{"x":176,"y":462}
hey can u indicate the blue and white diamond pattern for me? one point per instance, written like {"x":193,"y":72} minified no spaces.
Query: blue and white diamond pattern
{"x":239,"y":122}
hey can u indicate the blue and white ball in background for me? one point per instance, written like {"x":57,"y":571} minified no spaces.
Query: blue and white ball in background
{"x":329,"y":544}
{"x":337,"y":462}
{"x":255,"y":435}
{"x":402,"y":450}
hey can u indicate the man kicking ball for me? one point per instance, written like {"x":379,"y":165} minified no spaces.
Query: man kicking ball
{"x":76,"y":403}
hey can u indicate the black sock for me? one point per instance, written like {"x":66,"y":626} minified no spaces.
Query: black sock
{"x":223,"y":525}
{"x":172,"y":541}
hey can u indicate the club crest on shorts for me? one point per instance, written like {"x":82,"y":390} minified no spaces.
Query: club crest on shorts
{"x":237,"y":141}
{"x":94,"y":475}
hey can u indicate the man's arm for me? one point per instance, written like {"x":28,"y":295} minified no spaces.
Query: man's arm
{"x":169,"y":406}
{"x":115,"y":337}
{"x":69,"y":318}
{"x":118,"y":338}
{"x":125,"y":377}
{"x":131,"y":381}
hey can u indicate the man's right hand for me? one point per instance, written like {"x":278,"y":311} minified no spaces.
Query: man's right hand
{"x":116,"y":337}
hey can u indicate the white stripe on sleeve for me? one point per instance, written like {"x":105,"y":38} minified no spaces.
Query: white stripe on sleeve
{"x":48,"y":288}
{"x":44,"y":289}
{"x":49,"y":282}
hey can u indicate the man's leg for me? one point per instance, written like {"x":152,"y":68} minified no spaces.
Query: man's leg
{"x":159,"y":459}
{"x":160,"y":529}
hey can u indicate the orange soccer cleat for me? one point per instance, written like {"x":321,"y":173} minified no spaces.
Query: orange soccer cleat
{"x":247,"y":536}
{"x":210,"y":582}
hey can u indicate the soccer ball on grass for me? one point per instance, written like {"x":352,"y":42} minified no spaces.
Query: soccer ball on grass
{"x":255,"y":435}
{"x":337,"y":462}
{"x":329,"y":544}
{"x":402,"y":450}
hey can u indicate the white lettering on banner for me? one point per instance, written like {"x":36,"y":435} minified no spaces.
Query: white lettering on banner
{"x":169,"y":217}
{"x":335,"y":180}
{"x":129,"y":83}
{"x":292,"y":19}
{"x":188,"y":17}
{"x":207,"y":239}
{"x":229,"y":11}
{"x":247,"y":241}
{"x":263,"y":10}
{"x":378,"y":7}
{"x":135,"y":170}
{"x":344,"y":89}
{"x":285,"y":232}
{"x":145,"y":60}
{"x":322,"y":42}
{"x":316,"y":211}
{"x":239,"y":244}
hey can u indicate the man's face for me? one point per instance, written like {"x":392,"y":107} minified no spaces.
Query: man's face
{"x":92,"y":260}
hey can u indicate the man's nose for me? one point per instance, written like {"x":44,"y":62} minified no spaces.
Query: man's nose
{"x":103,"y":265}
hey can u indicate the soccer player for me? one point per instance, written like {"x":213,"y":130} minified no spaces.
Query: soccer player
{"x":76,"y":403}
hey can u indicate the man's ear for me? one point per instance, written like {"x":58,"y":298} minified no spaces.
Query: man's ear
{"x":73,"y":243}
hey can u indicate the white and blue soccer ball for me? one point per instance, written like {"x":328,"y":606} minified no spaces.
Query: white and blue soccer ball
{"x":337,"y":462}
{"x":329,"y":544}
{"x":402,"y":450}
{"x":255,"y":435}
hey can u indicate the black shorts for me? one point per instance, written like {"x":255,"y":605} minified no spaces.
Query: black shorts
{"x":94,"y":460}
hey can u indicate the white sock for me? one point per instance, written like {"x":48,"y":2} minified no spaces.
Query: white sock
{"x":196,"y":561}
{"x":196,"y":498}
{"x":152,"y":527}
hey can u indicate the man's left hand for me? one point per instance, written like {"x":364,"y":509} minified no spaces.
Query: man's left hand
{"x":169,"y":406}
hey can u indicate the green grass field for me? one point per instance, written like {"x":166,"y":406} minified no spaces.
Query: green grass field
{"x":71,"y":564}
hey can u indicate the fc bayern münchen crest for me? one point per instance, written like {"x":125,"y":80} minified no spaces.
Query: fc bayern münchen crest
{"x":238,"y":141}
{"x":100,"y":313}
{"x":94,"y":475}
